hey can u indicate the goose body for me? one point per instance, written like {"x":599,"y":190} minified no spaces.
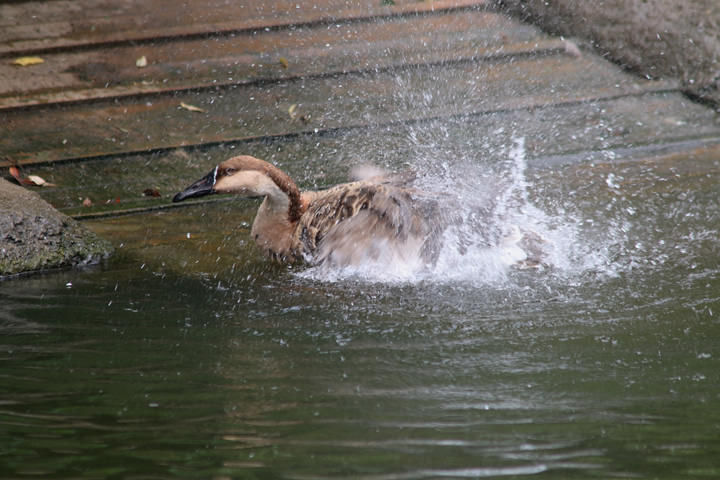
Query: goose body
{"x":380,"y":219}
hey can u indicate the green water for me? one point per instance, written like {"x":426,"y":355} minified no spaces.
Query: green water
{"x":189,"y":356}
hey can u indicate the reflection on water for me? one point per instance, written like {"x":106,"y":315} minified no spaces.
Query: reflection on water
{"x":188,"y":355}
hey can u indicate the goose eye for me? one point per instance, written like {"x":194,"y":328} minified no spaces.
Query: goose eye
{"x":230,"y":171}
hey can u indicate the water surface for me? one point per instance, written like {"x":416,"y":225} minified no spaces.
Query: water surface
{"x":188,"y":355}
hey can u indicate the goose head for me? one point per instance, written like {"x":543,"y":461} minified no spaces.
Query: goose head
{"x":249,"y":177}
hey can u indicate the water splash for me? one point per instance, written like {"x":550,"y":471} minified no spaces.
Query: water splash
{"x":516,"y":234}
{"x":500,"y":230}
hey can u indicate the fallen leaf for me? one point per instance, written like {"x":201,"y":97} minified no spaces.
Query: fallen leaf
{"x":87,"y":202}
{"x":15,"y":172}
{"x":141,"y":62}
{"x":17,"y":175}
{"x":284,"y":62}
{"x":151,"y":192}
{"x":191,"y":108}
{"x":293,"y":112}
{"x":39,"y":181}
{"x":27,"y":61}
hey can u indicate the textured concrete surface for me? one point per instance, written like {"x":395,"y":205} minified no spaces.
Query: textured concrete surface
{"x":655,"y":38}
{"x":286,"y":93}
{"x":34,"y":236}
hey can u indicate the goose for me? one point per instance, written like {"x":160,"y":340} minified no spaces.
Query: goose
{"x":382,"y":219}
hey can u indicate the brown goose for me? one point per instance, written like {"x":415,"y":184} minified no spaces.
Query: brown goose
{"x":379,"y":219}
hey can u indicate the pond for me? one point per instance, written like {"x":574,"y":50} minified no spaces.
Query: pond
{"x":189,"y":355}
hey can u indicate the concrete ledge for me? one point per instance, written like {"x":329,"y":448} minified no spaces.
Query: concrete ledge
{"x":655,"y":38}
{"x":34,"y":236}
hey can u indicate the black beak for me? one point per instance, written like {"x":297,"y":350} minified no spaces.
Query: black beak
{"x":204,"y":186}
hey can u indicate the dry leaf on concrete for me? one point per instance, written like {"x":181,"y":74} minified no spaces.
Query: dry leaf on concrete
{"x":191,"y":108}
{"x":27,"y":61}
{"x":31,"y":180}
{"x":39,"y":181}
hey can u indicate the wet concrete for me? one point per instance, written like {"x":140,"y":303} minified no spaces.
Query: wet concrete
{"x":654,"y":38}
{"x":314,"y":91}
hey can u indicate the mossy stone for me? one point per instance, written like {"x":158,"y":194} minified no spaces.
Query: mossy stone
{"x":34,"y":236}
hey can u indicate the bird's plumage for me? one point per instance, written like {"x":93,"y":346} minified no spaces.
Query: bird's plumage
{"x":379,"y":219}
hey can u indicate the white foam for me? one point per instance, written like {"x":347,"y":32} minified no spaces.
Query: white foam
{"x":487,"y":246}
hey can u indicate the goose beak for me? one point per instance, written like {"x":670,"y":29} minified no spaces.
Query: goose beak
{"x":204,"y":186}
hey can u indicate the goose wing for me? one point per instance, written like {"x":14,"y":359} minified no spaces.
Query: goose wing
{"x":365,"y":221}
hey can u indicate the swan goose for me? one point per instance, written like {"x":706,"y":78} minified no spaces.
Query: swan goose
{"x":379,"y":219}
